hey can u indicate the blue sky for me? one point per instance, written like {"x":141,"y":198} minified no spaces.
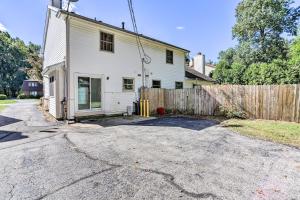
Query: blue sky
{"x":198,"y":25}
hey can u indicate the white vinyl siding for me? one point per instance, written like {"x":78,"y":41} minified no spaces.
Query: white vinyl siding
{"x":85,"y":58}
{"x":52,"y":106}
{"x":55,"y":43}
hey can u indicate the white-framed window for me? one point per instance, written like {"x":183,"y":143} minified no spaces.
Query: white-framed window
{"x":169,"y":56}
{"x":33,"y":93}
{"x":32,"y":84}
{"x":89,"y":93}
{"x":156,"y":84}
{"x":128,"y":84}
{"x":106,"y":42}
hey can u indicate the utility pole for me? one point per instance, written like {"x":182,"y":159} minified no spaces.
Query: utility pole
{"x":143,"y":72}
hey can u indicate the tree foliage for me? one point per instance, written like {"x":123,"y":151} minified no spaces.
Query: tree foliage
{"x":262,"y":54}
{"x":16,"y":58}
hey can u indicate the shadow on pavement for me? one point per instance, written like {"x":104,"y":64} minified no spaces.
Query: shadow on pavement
{"x":7,"y":120}
{"x":182,"y":122}
{"x":6,"y":136}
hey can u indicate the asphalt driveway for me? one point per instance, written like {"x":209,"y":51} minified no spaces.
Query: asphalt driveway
{"x":168,"y":158}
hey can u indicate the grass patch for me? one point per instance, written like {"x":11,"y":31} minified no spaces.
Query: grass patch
{"x":2,"y":107}
{"x":8,"y":101}
{"x":276,"y":131}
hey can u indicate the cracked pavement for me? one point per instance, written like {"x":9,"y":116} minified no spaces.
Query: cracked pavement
{"x":168,"y":158}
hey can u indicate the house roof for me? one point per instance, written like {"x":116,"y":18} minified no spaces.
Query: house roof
{"x":210,"y":65}
{"x":121,"y":29}
{"x":31,"y":80}
{"x":191,"y":73}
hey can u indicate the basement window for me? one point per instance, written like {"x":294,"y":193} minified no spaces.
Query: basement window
{"x":169,"y":56}
{"x":106,"y":42}
{"x":156,"y":84}
{"x":128,"y":84}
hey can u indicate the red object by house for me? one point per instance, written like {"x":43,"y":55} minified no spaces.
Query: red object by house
{"x":161,"y":111}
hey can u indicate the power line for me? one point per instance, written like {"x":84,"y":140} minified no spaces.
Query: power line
{"x":143,"y":55}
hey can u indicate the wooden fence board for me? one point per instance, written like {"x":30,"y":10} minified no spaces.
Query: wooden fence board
{"x":272,"y":102}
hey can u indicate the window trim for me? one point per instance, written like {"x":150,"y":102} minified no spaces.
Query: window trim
{"x":133,"y":84}
{"x":159,"y":83}
{"x":113,"y":42}
{"x":171,"y":63}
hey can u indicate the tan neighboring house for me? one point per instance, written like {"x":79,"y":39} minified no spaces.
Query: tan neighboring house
{"x":197,"y":72}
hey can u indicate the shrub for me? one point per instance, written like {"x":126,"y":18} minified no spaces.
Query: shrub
{"x":3,"y":97}
{"x":21,"y":96}
{"x":232,"y":112}
{"x":168,"y":111}
{"x":24,"y":96}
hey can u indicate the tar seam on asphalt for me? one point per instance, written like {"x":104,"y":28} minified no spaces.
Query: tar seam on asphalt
{"x":167,"y":177}
{"x":29,"y":142}
{"x":76,"y":181}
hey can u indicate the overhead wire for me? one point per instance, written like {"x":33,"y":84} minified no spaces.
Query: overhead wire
{"x":145,"y":58}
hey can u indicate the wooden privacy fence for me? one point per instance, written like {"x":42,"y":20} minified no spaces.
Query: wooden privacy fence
{"x":271,"y":102}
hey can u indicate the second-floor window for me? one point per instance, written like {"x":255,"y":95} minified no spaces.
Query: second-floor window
{"x":32,"y":84}
{"x":106,"y":42}
{"x":169,"y":57}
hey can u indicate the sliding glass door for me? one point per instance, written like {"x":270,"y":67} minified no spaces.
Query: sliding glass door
{"x":89,"y":93}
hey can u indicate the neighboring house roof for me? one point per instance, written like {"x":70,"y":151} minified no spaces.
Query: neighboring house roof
{"x":120,"y":29}
{"x":210,"y":65}
{"x":31,"y":80}
{"x":191,"y":73}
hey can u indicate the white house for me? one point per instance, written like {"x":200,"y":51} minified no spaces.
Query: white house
{"x":93,"y":68}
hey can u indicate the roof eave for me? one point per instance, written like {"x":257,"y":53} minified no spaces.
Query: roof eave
{"x":122,"y":30}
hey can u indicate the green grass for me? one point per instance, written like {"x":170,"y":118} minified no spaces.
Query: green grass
{"x":8,"y":101}
{"x":276,"y":131}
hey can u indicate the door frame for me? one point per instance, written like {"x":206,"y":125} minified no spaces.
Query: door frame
{"x":99,"y":76}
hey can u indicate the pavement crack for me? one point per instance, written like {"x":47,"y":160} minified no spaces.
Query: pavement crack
{"x":11,"y":194}
{"x":76,"y":181}
{"x":171,"y":179}
{"x":167,"y":177}
{"x":80,"y":151}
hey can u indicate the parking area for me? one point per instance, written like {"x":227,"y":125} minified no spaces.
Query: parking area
{"x":166,"y":158}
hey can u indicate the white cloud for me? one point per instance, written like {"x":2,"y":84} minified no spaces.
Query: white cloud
{"x":2,"y":27}
{"x":179,"y":27}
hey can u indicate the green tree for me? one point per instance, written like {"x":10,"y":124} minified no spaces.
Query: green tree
{"x":16,"y":59}
{"x":262,"y":23}
{"x":293,"y":73}
{"x":35,"y":61}
{"x":261,"y":51}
